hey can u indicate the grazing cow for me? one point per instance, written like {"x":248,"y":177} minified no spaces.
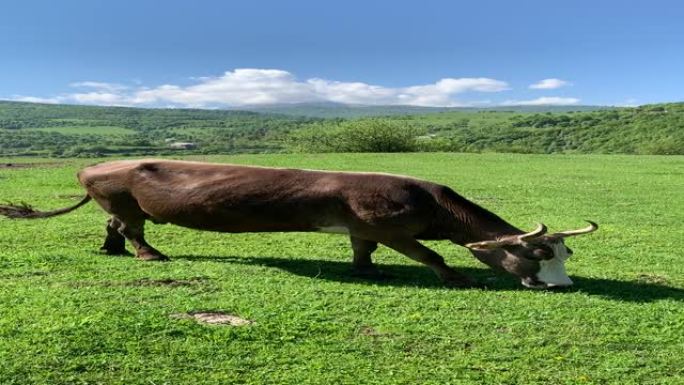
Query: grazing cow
{"x":371,"y":208}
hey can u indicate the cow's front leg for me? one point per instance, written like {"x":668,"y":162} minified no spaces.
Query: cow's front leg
{"x":134,"y":231}
{"x":115,"y":243}
{"x":362,"y":264}
{"x":416,"y":251}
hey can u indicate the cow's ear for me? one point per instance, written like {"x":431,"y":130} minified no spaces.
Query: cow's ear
{"x":542,"y":253}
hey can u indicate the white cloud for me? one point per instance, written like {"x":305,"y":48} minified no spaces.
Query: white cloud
{"x":35,"y":99}
{"x":100,"y":98}
{"x":549,"y":84}
{"x":99,"y":86}
{"x":249,"y":86}
{"x":543,"y":101}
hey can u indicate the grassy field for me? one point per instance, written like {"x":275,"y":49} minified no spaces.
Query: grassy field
{"x":72,"y":316}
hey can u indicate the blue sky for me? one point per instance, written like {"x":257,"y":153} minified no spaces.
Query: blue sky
{"x":224,"y":53}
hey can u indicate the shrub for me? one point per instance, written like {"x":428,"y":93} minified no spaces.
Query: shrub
{"x":665,"y":147}
{"x":367,"y":135}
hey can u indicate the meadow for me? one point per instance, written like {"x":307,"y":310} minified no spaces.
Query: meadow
{"x":70,"y":315}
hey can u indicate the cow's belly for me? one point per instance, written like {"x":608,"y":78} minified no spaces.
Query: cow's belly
{"x":243,"y":215}
{"x":240,"y":225}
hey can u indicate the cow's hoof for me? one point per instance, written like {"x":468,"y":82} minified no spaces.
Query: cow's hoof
{"x":371,"y":272}
{"x":152,"y":257}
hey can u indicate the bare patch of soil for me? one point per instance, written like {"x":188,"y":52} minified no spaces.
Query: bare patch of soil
{"x":652,"y":279}
{"x":142,"y":282}
{"x":27,"y":274}
{"x":166,"y":282}
{"x":369,"y":331}
{"x":214,"y":318}
{"x":70,"y":196}
{"x":15,"y":165}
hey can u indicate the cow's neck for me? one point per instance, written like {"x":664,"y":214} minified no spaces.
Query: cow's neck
{"x":472,"y":223}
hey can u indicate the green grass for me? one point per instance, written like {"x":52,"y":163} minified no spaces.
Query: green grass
{"x":71,"y":315}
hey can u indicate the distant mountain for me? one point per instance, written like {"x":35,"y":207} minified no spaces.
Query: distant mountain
{"x":340,"y":110}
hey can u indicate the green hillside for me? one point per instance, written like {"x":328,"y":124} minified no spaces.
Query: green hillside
{"x":339,"y":110}
{"x":67,"y":130}
{"x":650,"y":129}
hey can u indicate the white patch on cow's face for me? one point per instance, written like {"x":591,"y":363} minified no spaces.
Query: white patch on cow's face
{"x":552,"y":272}
{"x":334,"y":230}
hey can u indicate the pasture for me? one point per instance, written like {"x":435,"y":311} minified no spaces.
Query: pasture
{"x":70,"y":315}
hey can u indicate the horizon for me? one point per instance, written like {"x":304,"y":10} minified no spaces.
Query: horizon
{"x":325,"y":104}
{"x":214,"y":55}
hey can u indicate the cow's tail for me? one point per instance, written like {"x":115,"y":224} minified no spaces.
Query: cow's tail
{"x":25,"y":211}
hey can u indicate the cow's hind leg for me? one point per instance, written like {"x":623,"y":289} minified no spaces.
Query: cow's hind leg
{"x":362,"y":263}
{"x":134,"y":230}
{"x":115,"y":243}
{"x":416,"y":251}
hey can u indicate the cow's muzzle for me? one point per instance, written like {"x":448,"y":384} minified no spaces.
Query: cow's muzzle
{"x":533,"y":283}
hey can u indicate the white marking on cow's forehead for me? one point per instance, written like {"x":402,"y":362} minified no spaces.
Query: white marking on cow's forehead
{"x":552,"y":271}
{"x":334,"y":229}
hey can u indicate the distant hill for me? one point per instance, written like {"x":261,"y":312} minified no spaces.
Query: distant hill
{"x":70,"y":130}
{"x":339,"y":110}
{"x":37,"y":113}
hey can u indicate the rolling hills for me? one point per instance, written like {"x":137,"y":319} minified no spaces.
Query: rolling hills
{"x":69,"y":130}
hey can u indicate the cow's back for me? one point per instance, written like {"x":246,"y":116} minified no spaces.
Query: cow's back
{"x":235,"y":198}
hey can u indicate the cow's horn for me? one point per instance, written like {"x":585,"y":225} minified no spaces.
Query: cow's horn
{"x":510,"y":240}
{"x":589,"y":229}
{"x":486,"y":245}
{"x":538,"y":232}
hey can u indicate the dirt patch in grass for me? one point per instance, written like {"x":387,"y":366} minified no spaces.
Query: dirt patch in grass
{"x":214,"y":318}
{"x":142,"y":282}
{"x":27,"y":274}
{"x":169,"y":282}
{"x":369,"y":331}
{"x":15,"y":165}
{"x":652,"y":278}
{"x":71,"y":196}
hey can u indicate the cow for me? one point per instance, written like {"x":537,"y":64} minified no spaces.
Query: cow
{"x":371,"y":208}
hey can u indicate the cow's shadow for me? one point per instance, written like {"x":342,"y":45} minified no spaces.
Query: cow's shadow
{"x":421,"y":277}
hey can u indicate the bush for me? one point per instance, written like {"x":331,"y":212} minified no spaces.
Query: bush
{"x":665,"y":147}
{"x":367,"y":135}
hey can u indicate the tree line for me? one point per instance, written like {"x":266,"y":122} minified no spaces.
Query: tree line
{"x":37,"y":129}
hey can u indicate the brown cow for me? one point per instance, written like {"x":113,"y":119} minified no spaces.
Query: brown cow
{"x":371,"y":208}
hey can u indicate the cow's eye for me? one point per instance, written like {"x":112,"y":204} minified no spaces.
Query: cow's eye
{"x":543,"y":253}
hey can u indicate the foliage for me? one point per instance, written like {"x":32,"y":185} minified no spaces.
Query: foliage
{"x":340,"y":110}
{"x":367,"y":135}
{"x":56,"y":130}
{"x":52,"y":130}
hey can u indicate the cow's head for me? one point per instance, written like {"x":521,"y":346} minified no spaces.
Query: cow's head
{"x":536,"y":257}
